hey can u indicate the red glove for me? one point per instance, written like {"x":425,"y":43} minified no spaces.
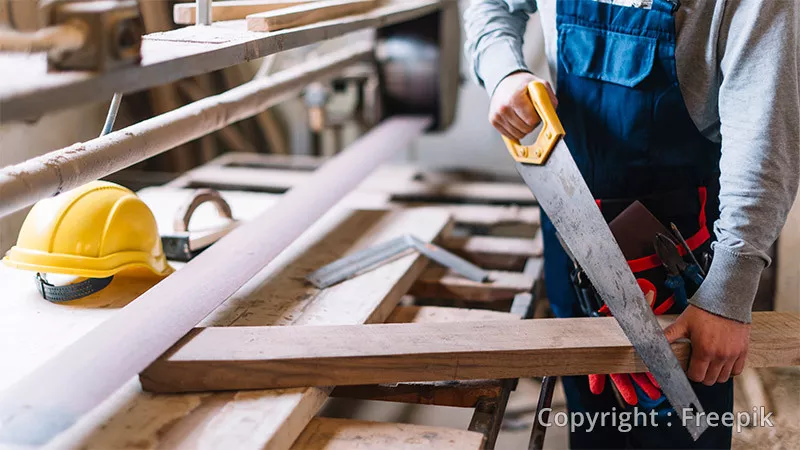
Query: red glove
{"x":624,"y":381}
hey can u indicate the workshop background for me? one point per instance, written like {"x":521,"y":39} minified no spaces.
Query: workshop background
{"x":470,"y":144}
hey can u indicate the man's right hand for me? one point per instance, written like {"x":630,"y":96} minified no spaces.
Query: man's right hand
{"x":511,"y":111}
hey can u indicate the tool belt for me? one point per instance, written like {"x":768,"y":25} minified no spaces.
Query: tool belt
{"x":635,"y":224}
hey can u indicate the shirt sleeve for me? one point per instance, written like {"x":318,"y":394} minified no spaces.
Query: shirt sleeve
{"x":759,"y":111}
{"x":494,"y":30}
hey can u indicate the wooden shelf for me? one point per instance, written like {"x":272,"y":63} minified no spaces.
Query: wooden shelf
{"x":27,"y":91}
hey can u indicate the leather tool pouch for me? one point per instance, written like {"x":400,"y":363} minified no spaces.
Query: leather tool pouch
{"x":635,"y":225}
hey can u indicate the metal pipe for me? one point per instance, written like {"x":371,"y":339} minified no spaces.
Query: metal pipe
{"x":113,"y":110}
{"x":26,"y":183}
{"x":204,"y":12}
{"x":88,"y":371}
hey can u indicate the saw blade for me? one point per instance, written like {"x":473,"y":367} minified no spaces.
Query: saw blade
{"x":564,"y":196}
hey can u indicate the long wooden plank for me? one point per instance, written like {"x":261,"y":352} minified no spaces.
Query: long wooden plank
{"x":40,"y":406}
{"x":30,"y":90}
{"x":344,"y":434}
{"x":307,"y":14}
{"x":463,"y":394}
{"x":438,"y":282}
{"x":185,"y":13}
{"x":251,"y":358}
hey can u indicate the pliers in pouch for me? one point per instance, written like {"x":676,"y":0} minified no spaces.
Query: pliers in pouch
{"x":677,"y":269}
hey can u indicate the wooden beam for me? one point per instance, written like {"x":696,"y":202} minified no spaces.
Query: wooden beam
{"x":347,"y":434}
{"x":439,"y":314}
{"x":185,"y":13}
{"x":441,"y":283}
{"x":491,"y":215}
{"x":463,"y":394}
{"x":460,"y":394}
{"x":496,"y":253}
{"x":467,"y":192}
{"x":30,"y":91}
{"x":270,"y":180}
{"x":307,"y":14}
{"x":91,"y":369}
{"x":274,"y":357}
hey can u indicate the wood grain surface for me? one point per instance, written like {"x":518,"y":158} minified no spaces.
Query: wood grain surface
{"x":343,"y":434}
{"x":307,"y":14}
{"x":441,"y":283}
{"x":252,"y":358}
{"x":185,"y":13}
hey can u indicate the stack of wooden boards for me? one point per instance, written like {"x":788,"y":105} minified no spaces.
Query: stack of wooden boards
{"x":492,"y":223}
{"x":275,"y":15}
{"x":32,"y":330}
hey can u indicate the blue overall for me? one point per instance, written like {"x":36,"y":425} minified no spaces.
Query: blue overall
{"x":632,"y":137}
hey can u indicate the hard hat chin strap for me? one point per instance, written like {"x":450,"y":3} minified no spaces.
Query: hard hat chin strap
{"x":70,"y":292}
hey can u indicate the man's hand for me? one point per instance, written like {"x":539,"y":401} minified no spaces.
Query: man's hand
{"x":511,"y":111}
{"x":719,"y":345}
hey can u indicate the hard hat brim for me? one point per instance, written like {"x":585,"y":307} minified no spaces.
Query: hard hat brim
{"x":103,"y":267}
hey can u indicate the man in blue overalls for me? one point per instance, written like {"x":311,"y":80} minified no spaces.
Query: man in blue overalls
{"x":690,"y":107}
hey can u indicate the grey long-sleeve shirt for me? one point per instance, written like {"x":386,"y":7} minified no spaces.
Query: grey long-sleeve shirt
{"x":738,"y":66}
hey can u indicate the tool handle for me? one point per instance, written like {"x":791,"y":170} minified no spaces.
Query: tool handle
{"x":551,"y":131}
{"x":184,"y":213}
{"x":693,"y":273}
{"x":675,"y":282}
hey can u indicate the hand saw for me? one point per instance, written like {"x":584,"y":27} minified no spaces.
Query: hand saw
{"x":550,"y":172}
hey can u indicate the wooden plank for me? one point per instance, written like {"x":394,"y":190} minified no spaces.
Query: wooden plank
{"x":345,"y":434}
{"x":463,"y":394}
{"x":438,"y":314}
{"x":439,"y":283}
{"x":90,"y":368}
{"x":269,"y":161}
{"x":497,"y":253}
{"x":491,"y":215}
{"x":275,"y":180}
{"x":460,"y":394}
{"x":260,"y":357}
{"x":307,"y":14}
{"x":185,"y":13}
{"x":30,"y":90}
{"x":467,"y":192}
{"x":268,"y":179}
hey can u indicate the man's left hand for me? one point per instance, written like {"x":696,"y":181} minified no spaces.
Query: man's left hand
{"x":719,"y":345}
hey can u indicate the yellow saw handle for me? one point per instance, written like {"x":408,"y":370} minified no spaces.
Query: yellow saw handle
{"x":551,"y":132}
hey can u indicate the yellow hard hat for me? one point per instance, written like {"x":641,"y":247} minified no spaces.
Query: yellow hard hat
{"x":94,"y":231}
